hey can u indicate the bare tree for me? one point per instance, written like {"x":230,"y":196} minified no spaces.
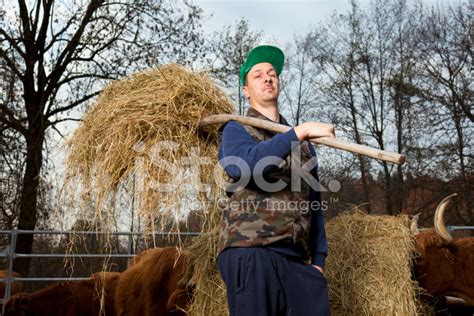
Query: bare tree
{"x":61,"y":55}
{"x":392,"y":80}
{"x":13,"y":154}
{"x":337,"y":48}
{"x":228,"y":49}
{"x":403,"y":83}
{"x":446,"y":61}
{"x":298,"y":82}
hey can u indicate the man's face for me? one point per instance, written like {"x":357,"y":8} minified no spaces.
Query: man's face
{"x":262,"y":85}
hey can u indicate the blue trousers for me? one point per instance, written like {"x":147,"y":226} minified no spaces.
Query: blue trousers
{"x":263,"y":282}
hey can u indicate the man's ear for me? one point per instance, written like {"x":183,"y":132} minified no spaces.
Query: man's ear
{"x":246,"y":92}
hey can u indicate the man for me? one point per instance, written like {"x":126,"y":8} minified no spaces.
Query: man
{"x":273,"y":222}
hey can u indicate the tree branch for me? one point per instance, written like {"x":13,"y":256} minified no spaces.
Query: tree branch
{"x":65,"y":57}
{"x":82,"y":76}
{"x":57,"y":130}
{"x":10,"y":63}
{"x":12,"y":122}
{"x":12,"y":42}
{"x":28,"y":39}
{"x":40,"y":41}
{"x":55,"y":36}
{"x":36,"y":19}
{"x":64,"y":120}
{"x":72,"y":105}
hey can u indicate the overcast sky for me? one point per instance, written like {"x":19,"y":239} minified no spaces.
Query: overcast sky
{"x":278,"y":19}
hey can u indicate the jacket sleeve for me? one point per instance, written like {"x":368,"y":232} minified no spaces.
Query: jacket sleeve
{"x":237,"y":143}
{"x":317,"y":233}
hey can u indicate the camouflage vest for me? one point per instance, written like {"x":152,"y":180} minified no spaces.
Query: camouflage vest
{"x":254,"y":217}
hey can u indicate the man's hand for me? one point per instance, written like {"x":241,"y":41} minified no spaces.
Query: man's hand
{"x":319,"y":268}
{"x":314,"y":129}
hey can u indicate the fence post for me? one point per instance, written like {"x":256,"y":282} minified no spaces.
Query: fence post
{"x":129,"y":249}
{"x":10,"y":256}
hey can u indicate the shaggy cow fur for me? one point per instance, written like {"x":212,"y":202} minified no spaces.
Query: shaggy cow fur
{"x":445,"y":269}
{"x":72,"y":298}
{"x":135,"y":259}
{"x":154,"y":284}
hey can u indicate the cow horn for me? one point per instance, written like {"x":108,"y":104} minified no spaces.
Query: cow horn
{"x":414,"y":224}
{"x":450,"y":300}
{"x":439,"y":220}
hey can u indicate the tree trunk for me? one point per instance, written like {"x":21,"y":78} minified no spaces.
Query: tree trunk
{"x":399,"y":186}
{"x":29,"y":197}
{"x":358,"y":139}
{"x":460,"y":142}
{"x":365,"y":182}
{"x":388,"y":180}
{"x":388,"y":189}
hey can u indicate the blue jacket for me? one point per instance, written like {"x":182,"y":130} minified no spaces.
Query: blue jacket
{"x":235,"y":141}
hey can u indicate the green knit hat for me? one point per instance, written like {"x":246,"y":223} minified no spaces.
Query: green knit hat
{"x":263,"y":54}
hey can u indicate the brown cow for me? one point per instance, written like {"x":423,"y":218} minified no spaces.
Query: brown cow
{"x":90,"y":297}
{"x":445,"y":266}
{"x":106,"y":285}
{"x":155,"y":284}
{"x":135,"y":259}
{"x":16,"y":286}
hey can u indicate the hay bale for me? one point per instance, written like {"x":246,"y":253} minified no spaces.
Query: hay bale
{"x":368,"y":268}
{"x":369,"y":265}
{"x":143,"y":127}
{"x":210,"y":293}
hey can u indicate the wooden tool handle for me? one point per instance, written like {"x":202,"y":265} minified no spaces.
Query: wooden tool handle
{"x":328,"y":141}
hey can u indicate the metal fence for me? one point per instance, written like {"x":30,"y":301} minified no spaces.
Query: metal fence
{"x":10,"y":254}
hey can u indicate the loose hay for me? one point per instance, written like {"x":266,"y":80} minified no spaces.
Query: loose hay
{"x":368,"y":267}
{"x":210,"y":294}
{"x":140,"y":129}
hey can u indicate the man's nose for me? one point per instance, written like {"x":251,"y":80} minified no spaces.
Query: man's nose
{"x":268,"y":78}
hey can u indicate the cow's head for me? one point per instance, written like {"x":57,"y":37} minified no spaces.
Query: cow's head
{"x":442,"y":233}
{"x":444,"y":266}
{"x":439,"y":225}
